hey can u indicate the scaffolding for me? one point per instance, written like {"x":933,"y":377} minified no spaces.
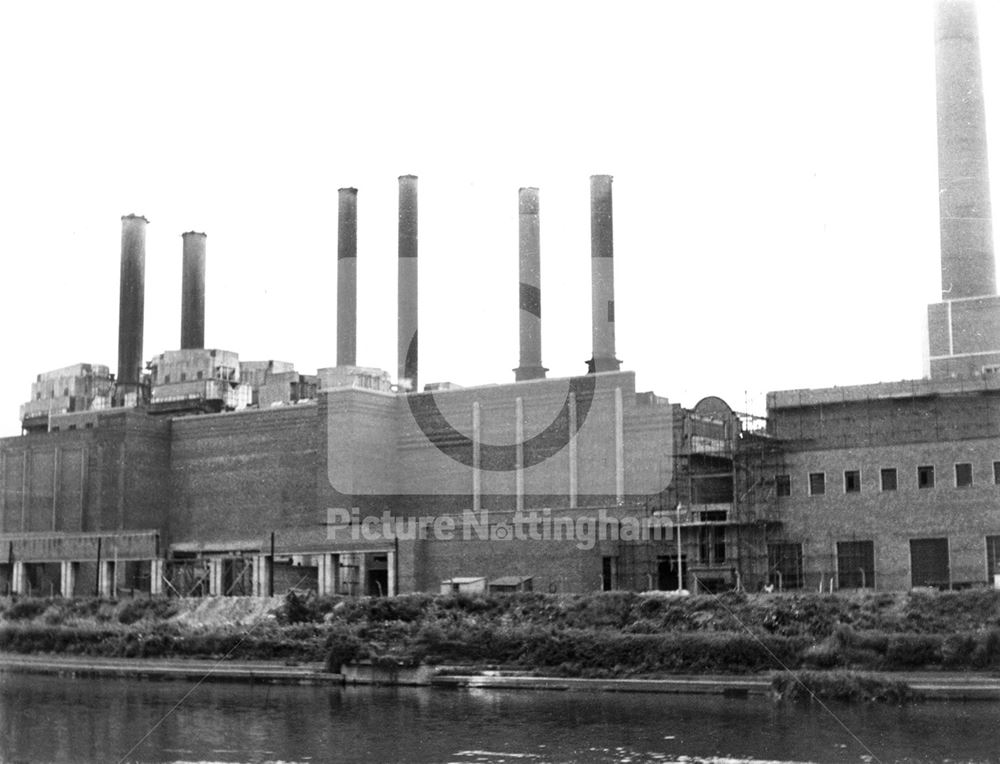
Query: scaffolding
{"x":722,"y":498}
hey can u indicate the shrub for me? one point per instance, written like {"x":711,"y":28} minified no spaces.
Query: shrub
{"x":154,"y":609}
{"x":957,"y":649}
{"x":821,"y":656}
{"x":907,"y":651}
{"x":985,"y":648}
{"x":841,"y":685}
{"x":341,"y":648}
{"x":297,"y":609}
{"x":26,"y":609}
{"x":409,"y":607}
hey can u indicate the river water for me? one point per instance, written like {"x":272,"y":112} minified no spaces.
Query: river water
{"x":48,"y":718}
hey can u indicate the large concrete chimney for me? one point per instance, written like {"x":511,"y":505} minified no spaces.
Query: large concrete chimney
{"x":529,"y":269}
{"x":964,"y":328}
{"x":602,"y":276}
{"x":406,"y":350}
{"x":131,"y":305}
{"x":347,"y":277}
{"x":967,"y":266}
{"x":193,"y":292}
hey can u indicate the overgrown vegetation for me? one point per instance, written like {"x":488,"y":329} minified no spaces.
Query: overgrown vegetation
{"x":841,"y":685}
{"x":600,"y":635}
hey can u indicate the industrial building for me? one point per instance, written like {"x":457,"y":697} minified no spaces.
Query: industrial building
{"x":198,"y":472}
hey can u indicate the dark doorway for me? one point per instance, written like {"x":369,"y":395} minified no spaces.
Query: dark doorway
{"x":929,"y":564}
{"x":378,"y":583}
{"x":667,"y":572}
{"x":42,"y":579}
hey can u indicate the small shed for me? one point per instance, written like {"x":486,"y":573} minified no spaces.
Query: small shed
{"x":466,"y":584}
{"x":511,"y":584}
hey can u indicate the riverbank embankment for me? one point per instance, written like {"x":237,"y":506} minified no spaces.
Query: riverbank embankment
{"x":925,"y":685}
{"x":521,"y":639}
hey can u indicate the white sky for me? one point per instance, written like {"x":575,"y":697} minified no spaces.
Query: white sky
{"x":775,"y":181}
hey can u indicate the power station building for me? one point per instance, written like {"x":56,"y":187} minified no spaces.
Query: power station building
{"x":198,"y":472}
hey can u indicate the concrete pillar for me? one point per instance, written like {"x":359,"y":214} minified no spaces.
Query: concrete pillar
{"x":574,"y":487}
{"x":327,"y":574}
{"x":406,"y":344}
{"x":261,"y":575}
{"x":602,"y":276}
{"x":18,"y":578}
{"x":105,"y":577}
{"x":529,"y":269}
{"x":215,"y":582}
{"x":391,"y":584}
{"x":619,"y":448}
{"x":322,"y":566}
{"x":67,"y":578}
{"x":967,"y":260}
{"x":131,"y":305}
{"x":519,"y":452}
{"x":362,"y":588}
{"x":156,"y":577}
{"x":347,"y":277}
{"x":56,"y":458}
{"x":193,"y":292}
{"x":477,"y":476}
{"x":324,"y":574}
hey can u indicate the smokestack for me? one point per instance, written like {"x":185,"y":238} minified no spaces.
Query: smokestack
{"x":193,"y":292}
{"x":602,"y":276}
{"x":407,"y":320}
{"x":130,"y":305}
{"x":967,"y":266}
{"x":347,"y":277}
{"x":530,"y":287}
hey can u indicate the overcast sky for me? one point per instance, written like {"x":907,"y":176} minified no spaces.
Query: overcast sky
{"x":775,"y":189}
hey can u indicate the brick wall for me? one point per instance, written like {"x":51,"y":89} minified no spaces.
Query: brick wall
{"x":242,"y":475}
{"x":891,"y":518}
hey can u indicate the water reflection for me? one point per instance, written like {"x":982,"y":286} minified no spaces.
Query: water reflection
{"x":44,"y":718}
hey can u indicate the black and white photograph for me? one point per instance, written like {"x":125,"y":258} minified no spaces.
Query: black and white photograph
{"x":294,"y":467}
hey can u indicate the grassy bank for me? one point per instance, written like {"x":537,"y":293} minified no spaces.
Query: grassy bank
{"x":614,"y":634}
{"x":841,"y":685}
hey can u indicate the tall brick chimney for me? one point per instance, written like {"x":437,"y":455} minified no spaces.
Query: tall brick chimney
{"x":131,"y":306}
{"x":602,"y":276}
{"x":530,"y":295}
{"x":347,"y":277}
{"x":406,"y":348}
{"x":967,"y":264}
{"x":193,"y":292}
{"x":964,"y":328}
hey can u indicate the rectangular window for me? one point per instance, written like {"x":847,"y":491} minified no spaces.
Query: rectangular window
{"x":712,"y":544}
{"x":992,"y":557}
{"x":855,"y":564}
{"x":996,"y":472}
{"x":963,"y":475}
{"x":784,"y":566}
{"x":925,"y":477}
{"x":889,"y":479}
{"x":817,"y":483}
{"x":783,"y":484}
{"x":852,"y":481}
